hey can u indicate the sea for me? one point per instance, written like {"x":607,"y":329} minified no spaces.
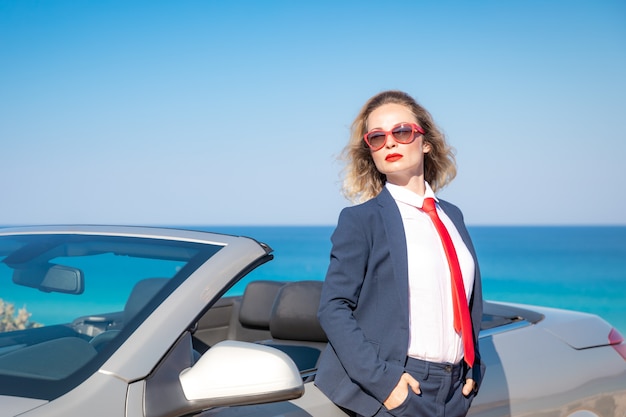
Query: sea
{"x":576,"y":268}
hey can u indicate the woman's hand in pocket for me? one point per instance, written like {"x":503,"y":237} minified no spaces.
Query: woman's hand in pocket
{"x":401,"y":391}
{"x":469,"y":386}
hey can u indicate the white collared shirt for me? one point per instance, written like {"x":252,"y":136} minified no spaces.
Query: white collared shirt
{"x":432,"y":335}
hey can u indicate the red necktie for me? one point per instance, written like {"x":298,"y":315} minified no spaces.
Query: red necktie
{"x":462,"y":321}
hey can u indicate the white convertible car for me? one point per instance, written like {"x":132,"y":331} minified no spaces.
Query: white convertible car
{"x":129,"y":322}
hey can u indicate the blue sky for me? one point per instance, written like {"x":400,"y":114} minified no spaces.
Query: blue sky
{"x":234,"y":112}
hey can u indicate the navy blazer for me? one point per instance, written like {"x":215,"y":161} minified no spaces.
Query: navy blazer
{"x":364,"y":307}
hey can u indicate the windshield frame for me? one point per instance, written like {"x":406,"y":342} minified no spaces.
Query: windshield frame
{"x":48,"y":247}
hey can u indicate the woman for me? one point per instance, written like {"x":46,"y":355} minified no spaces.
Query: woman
{"x":396,"y":345}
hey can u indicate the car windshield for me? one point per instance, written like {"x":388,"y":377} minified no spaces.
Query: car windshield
{"x":68,"y":300}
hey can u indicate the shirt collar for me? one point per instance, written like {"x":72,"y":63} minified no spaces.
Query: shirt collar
{"x":403,"y":195}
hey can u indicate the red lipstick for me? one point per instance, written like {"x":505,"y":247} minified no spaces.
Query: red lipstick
{"x":393,"y":157}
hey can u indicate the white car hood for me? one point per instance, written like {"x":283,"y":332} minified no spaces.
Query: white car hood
{"x":12,"y":406}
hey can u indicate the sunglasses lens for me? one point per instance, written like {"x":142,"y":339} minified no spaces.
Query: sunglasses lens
{"x":376,"y":139}
{"x":403,"y":133}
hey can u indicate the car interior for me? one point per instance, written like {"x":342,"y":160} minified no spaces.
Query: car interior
{"x":282,"y":315}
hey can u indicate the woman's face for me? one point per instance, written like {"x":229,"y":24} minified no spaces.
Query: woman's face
{"x":401,"y":163}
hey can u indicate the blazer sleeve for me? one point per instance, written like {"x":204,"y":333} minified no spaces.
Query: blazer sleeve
{"x":352,"y":243}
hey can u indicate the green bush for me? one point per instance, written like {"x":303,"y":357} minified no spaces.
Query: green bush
{"x":9,"y":321}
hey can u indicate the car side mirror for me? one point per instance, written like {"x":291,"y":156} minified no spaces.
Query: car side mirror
{"x":240,"y":373}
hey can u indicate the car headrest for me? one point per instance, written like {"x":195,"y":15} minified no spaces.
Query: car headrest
{"x":294,"y":315}
{"x":256,"y":304}
{"x":141,"y":294}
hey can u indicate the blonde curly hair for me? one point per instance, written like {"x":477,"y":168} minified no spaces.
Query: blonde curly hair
{"x":363,"y":181}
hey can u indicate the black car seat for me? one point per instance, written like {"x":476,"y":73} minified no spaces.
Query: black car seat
{"x":253,"y":318}
{"x":294,"y":326}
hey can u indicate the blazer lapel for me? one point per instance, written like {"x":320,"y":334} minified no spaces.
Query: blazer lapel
{"x":394,"y":229}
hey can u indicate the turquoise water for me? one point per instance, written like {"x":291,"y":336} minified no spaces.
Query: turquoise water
{"x":579,"y":268}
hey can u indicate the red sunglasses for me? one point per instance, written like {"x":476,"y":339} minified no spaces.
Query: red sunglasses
{"x":404,"y":133}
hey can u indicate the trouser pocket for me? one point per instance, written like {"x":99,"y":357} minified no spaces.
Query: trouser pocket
{"x":412,"y":406}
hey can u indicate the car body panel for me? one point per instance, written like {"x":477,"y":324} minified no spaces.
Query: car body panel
{"x":12,"y":406}
{"x":312,"y":403}
{"x":520,"y":386}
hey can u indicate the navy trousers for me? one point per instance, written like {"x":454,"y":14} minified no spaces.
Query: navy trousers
{"x":441,"y":395}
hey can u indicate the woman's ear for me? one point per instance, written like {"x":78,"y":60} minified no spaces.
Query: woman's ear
{"x":426,"y":147}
